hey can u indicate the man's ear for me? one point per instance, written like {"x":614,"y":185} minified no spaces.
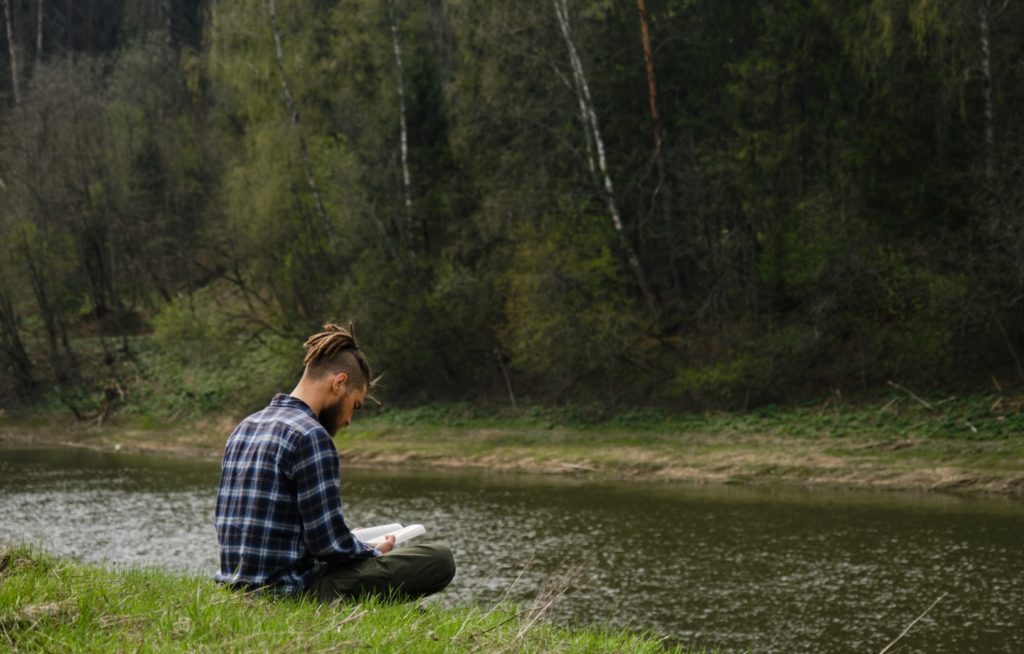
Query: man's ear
{"x":338,"y":382}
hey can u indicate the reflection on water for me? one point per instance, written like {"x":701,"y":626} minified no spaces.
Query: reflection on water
{"x":769,"y":570}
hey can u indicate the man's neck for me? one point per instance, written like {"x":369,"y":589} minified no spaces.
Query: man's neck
{"x":311,"y":396}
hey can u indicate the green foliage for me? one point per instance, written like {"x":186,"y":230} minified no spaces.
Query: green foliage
{"x":835,"y":201}
{"x":201,"y":360}
{"x":775,"y":360}
{"x":568,"y":307}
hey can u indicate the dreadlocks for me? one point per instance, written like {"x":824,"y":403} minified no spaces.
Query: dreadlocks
{"x":335,"y":350}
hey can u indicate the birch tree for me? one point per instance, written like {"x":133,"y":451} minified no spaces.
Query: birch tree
{"x":69,"y":40}
{"x":40,"y":12}
{"x":404,"y":137}
{"x":12,"y":51}
{"x":582,"y":89}
{"x":293,"y":118}
{"x":958,"y":36}
{"x":987,"y":13}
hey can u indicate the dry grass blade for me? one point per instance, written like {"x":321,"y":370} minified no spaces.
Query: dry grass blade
{"x":504,"y":622}
{"x":357,"y":613}
{"x":480,"y":584}
{"x":915,"y":621}
{"x":515,"y":581}
{"x":546,"y":598}
{"x":551,"y":593}
{"x":30,"y":616}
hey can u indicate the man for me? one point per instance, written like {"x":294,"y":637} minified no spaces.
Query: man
{"x":279,"y":519}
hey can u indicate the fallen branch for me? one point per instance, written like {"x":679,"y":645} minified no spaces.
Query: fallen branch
{"x":999,"y":400}
{"x":833,"y":399}
{"x":911,"y":393}
{"x":889,"y":404}
{"x":915,"y":621}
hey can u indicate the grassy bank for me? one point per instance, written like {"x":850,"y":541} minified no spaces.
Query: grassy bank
{"x":49,"y":605}
{"x":897,"y":440}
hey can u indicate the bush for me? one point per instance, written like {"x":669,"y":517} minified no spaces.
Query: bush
{"x":205,"y":357}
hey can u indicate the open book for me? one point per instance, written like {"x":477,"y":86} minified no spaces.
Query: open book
{"x":374,"y":536}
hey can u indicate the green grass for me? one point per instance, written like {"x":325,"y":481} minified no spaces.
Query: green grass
{"x":894,"y":440}
{"x":977,"y":417}
{"x":49,"y":605}
{"x":169,"y":381}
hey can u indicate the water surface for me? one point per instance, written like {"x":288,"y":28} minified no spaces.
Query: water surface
{"x":740,"y":568}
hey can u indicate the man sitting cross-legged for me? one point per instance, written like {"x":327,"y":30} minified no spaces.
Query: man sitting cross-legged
{"x":278,"y":516}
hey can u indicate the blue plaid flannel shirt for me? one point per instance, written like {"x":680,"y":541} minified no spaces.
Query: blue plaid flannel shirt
{"x":278,"y":510}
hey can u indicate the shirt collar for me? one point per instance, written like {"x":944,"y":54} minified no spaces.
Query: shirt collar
{"x":293,"y":402}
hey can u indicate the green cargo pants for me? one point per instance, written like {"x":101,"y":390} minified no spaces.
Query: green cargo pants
{"x":406,"y":573}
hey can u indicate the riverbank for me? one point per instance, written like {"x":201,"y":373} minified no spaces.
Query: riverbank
{"x":969,"y":445}
{"x":49,"y":604}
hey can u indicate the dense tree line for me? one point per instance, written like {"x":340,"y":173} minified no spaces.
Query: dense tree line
{"x":671,"y":201}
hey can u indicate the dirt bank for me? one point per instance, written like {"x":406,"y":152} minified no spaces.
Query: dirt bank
{"x":897,"y":464}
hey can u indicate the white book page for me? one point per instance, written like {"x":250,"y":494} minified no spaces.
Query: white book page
{"x":366,"y":534}
{"x":401,"y":535}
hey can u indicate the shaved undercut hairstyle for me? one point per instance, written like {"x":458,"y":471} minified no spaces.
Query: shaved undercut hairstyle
{"x":335,"y":350}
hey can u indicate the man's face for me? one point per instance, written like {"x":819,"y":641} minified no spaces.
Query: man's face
{"x":338,"y":414}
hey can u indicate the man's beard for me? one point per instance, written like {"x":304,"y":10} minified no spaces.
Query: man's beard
{"x":330,"y":415}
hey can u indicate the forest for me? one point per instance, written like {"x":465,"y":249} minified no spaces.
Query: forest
{"x":673,"y":203}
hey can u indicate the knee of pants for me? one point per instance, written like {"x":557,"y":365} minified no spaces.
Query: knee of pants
{"x":447,"y":562}
{"x":442,"y":563}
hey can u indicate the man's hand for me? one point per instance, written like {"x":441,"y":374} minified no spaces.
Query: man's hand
{"x":387,"y":545}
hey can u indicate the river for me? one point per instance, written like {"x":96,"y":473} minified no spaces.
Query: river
{"x":764,"y":569}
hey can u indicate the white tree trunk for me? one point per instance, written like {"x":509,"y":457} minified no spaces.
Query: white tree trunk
{"x":168,"y":24}
{"x":406,"y":177}
{"x":984,"y":9}
{"x":12,"y":50}
{"x":41,"y":7}
{"x":587,"y":108}
{"x":68,"y":37}
{"x":579,"y":83}
{"x":293,"y":117}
